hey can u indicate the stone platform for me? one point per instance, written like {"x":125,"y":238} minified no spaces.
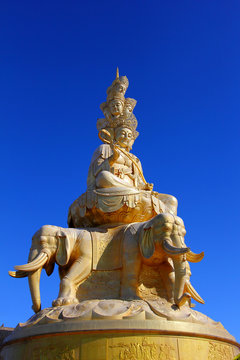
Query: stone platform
{"x":119,"y":330}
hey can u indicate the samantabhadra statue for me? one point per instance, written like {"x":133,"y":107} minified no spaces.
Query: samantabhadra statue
{"x":118,"y":202}
{"x":124,"y":253}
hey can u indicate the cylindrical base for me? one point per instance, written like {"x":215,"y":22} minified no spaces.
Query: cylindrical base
{"x":119,"y":340}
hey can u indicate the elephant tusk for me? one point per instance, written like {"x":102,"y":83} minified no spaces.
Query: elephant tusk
{"x":173,"y":250}
{"x":18,"y":274}
{"x":193,"y":292}
{"x":40,"y":260}
{"x":194,"y":258}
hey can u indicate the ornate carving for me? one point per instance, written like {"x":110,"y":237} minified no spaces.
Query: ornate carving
{"x":123,"y":310}
{"x":54,"y":352}
{"x":145,"y":350}
{"x":219,"y":351}
{"x":107,"y":248}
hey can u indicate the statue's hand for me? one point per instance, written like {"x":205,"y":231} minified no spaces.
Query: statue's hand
{"x":113,"y":158}
{"x":149,"y":187}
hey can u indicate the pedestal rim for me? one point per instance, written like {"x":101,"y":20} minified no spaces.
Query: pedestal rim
{"x":153,"y":327}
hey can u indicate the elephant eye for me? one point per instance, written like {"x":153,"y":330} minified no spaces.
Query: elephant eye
{"x":60,"y":235}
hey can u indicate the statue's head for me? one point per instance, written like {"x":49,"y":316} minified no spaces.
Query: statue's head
{"x":118,"y":111}
{"x":129,"y":105}
{"x":120,"y":85}
{"x":124,"y":137}
{"x":116,"y":105}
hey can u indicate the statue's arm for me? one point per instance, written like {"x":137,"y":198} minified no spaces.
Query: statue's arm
{"x":99,"y":162}
{"x":114,"y":157}
{"x":140,"y":183}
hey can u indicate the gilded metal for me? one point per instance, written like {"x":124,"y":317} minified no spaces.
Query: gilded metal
{"x":123,"y":263}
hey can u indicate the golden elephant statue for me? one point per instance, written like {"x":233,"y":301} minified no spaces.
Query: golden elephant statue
{"x":153,"y":242}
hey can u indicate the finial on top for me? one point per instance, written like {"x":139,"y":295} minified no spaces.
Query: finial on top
{"x":117,"y":73}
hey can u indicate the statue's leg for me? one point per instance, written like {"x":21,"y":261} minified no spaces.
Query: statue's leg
{"x":105,"y":179}
{"x":131,"y":267}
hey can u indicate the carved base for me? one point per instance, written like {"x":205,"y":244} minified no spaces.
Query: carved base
{"x":119,"y":330}
{"x":129,"y":345}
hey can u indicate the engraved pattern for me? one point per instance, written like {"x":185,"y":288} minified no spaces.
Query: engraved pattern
{"x":144,"y":351}
{"x":108,"y":286}
{"x":152,"y":286}
{"x":107,"y":248}
{"x":218,"y":351}
{"x":52,"y":352}
{"x":141,"y":212}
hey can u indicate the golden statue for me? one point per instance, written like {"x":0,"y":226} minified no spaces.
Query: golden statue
{"x":123,"y":257}
{"x":117,"y":191}
{"x":120,"y":205}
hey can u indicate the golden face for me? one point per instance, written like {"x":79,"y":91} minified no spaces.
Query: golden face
{"x":120,"y":88}
{"x":116,"y":107}
{"x":124,"y":137}
{"x":128,"y":109}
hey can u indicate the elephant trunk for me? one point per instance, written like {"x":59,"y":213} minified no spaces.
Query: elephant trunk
{"x":34,"y":282}
{"x":34,"y":278}
{"x":34,"y":266}
{"x":180,"y":297}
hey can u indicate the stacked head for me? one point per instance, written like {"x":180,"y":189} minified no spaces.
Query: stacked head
{"x":118,"y":110}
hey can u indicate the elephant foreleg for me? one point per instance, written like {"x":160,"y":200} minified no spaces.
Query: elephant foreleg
{"x":77,"y":273}
{"x":68,"y":285}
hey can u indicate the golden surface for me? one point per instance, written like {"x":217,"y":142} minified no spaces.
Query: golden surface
{"x":118,"y":224}
{"x":119,"y":346}
{"x":125,"y":291}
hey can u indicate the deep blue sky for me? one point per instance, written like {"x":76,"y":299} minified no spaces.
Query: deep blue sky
{"x":182,"y":60}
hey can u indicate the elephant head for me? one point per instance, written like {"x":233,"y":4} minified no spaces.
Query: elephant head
{"x":50,"y":244}
{"x":168,"y":231}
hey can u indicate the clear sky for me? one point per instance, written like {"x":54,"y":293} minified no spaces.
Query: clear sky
{"x":182,"y":58}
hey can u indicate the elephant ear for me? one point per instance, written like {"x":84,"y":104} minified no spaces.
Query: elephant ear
{"x":147,"y":246}
{"x":63,"y":248}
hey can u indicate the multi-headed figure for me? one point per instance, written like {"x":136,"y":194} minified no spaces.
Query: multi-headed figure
{"x":117,"y":191}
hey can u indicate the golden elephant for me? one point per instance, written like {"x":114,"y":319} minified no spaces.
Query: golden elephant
{"x":153,"y":242}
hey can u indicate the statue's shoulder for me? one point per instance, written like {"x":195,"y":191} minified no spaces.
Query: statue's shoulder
{"x":104,"y":151}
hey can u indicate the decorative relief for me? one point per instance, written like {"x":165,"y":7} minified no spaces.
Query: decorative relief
{"x":107,"y":248}
{"x":152,"y":286}
{"x":145,"y":350}
{"x":108,"y":286}
{"x":114,"y":307}
{"x":54,"y":352}
{"x":219,"y":351}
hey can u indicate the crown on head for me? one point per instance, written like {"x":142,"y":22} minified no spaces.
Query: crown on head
{"x":120,"y":84}
{"x":116,"y":92}
{"x":115,"y":95}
